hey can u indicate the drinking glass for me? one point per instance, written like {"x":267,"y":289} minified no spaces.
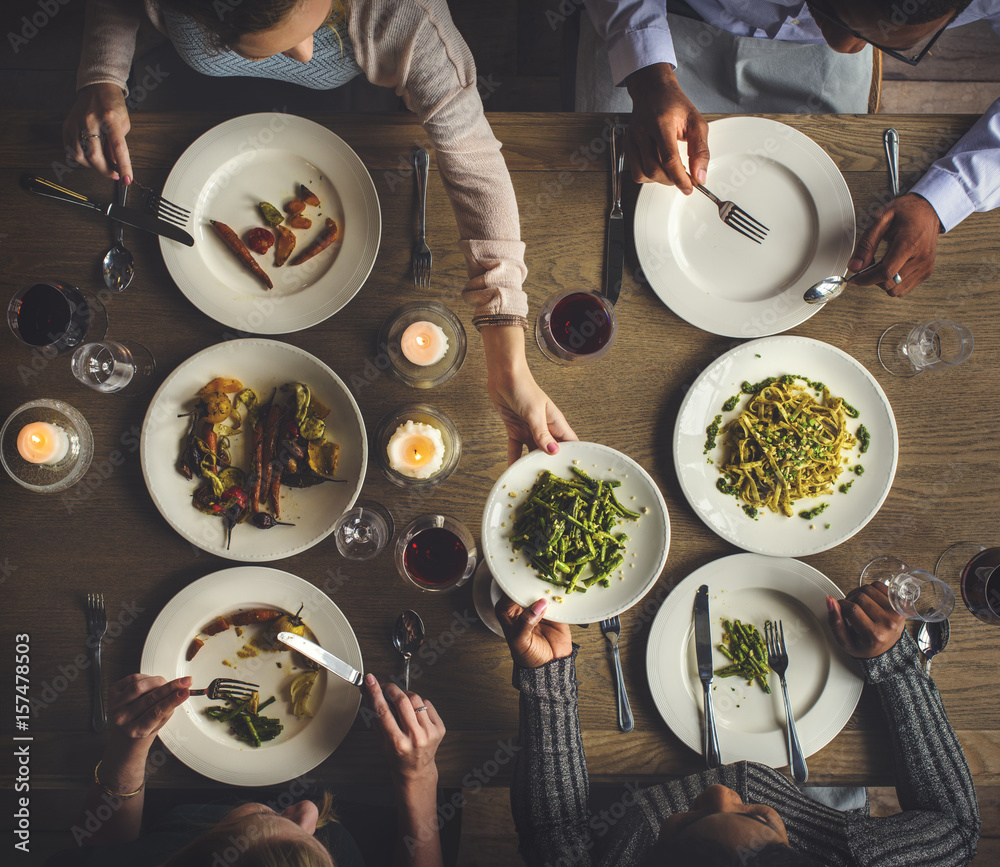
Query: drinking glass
{"x":363,"y":532}
{"x":110,"y":367}
{"x":979,"y":568}
{"x":914,"y":593}
{"x":436,"y":553}
{"x":906,"y":350}
{"x":52,"y":316}
{"x":575,"y":326}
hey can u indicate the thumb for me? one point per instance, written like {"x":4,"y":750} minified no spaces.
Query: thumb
{"x":530,"y":617}
{"x":836,"y":619}
{"x":698,"y":154}
{"x":864,"y":250}
{"x":539,"y":426}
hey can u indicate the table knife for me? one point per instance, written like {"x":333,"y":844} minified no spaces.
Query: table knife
{"x":128,"y":216}
{"x":703,"y":648}
{"x":615,"y":249}
{"x":313,"y":651}
{"x":891,"y":139}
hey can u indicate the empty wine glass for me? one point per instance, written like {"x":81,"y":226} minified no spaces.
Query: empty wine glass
{"x":363,"y":532}
{"x":906,"y":350}
{"x":914,"y":593}
{"x":111,"y":367}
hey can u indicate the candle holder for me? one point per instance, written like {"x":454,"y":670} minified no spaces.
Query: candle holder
{"x":416,"y":375}
{"x":421,"y":413}
{"x":47,"y":478}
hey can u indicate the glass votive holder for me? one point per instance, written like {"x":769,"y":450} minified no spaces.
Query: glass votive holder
{"x":575,"y":326}
{"x":52,"y":316}
{"x":55,"y":436}
{"x":417,"y":446}
{"x":435,"y":553}
{"x":425,"y":344}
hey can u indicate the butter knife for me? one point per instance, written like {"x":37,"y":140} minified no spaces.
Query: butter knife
{"x":313,"y":651}
{"x":891,"y":139}
{"x":703,"y":648}
{"x":614,"y":253}
{"x":128,"y":216}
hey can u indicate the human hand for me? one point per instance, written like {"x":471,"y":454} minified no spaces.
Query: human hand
{"x":533,"y":642}
{"x":865,"y":624}
{"x":530,"y":416}
{"x":910,"y":226}
{"x":140,"y":705}
{"x":409,"y":737}
{"x":661,"y":116}
{"x":99,"y":110}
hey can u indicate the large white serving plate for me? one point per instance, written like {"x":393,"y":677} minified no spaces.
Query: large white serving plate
{"x":262,"y":365}
{"x":264,"y":157}
{"x":717,"y":279}
{"x":646,"y":552}
{"x":205,"y":745}
{"x":823,"y":682}
{"x":772,"y":533}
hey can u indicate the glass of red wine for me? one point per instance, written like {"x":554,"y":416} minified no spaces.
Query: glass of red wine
{"x":575,"y":326}
{"x":979,"y":568}
{"x":52,"y":316}
{"x":436,"y":553}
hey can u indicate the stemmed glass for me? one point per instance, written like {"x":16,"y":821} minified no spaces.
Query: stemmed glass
{"x":51,"y":316}
{"x":979,"y":569}
{"x":363,"y":532}
{"x":111,"y":367}
{"x":914,"y":593}
{"x":906,"y":350}
{"x":575,"y":326}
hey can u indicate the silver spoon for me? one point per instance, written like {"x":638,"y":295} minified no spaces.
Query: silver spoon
{"x":407,"y":636}
{"x":118,"y":266}
{"x":830,"y":287}
{"x":932,"y":638}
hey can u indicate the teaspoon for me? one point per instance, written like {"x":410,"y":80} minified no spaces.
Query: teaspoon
{"x":118,"y":266}
{"x":830,"y":287}
{"x":932,"y":638}
{"x":407,"y":636}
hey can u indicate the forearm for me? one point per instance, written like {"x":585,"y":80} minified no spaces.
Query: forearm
{"x":503,"y":346}
{"x":122,"y":770}
{"x":109,"y":33}
{"x":418,"y":841}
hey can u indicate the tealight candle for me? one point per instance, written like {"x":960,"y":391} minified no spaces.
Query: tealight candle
{"x":42,"y":443}
{"x":424,"y":343}
{"x":416,"y":450}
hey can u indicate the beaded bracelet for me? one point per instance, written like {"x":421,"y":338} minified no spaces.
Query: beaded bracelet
{"x":499,"y":319}
{"x":123,"y":795}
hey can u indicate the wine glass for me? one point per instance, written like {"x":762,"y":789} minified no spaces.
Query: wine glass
{"x":979,"y":569}
{"x":363,"y":532}
{"x":914,"y":593}
{"x":575,"y":326}
{"x":111,"y":367}
{"x":52,"y":316}
{"x":436,"y":553}
{"x":906,"y":350}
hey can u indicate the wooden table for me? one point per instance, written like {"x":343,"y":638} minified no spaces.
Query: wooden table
{"x":106,"y":535}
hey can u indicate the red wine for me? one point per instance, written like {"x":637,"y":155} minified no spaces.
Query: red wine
{"x":43,"y":316}
{"x":580,"y":324}
{"x":435,"y":557}
{"x":981,"y":585}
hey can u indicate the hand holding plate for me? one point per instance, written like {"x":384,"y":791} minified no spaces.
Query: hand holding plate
{"x":533,"y":642}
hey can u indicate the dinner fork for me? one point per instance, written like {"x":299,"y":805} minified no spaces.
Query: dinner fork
{"x":97,"y":625}
{"x":421,"y":252}
{"x":777,"y":659}
{"x":223,"y":687}
{"x":611,"y":629}
{"x":160,"y":207}
{"x":736,"y":218}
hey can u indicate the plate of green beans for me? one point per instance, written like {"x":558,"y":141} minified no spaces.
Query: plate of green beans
{"x":586,"y":528}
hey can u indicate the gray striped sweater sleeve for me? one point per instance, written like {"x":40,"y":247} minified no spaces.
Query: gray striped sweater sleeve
{"x":550,"y":793}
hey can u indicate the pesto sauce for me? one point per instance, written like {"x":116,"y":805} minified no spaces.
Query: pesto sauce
{"x":812,"y":513}
{"x":711,"y":432}
{"x":751,"y":511}
{"x":858,"y":470}
{"x":725,"y":488}
{"x":730,"y":404}
{"x":864,"y":438}
{"x":845,"y":488}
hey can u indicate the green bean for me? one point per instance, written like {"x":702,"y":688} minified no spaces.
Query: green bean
{"x":745,"y":648}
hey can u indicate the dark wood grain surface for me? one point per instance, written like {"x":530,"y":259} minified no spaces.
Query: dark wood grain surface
{"x":106,"y":535}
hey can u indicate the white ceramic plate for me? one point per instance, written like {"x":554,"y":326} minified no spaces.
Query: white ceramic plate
{"x":772,"y":533}
{"x":206,"y":746}
{"x":646,"y":551}
{"x":264,"y":157}
{"x":715,"y":278}
{"x":261,"y":365}
{"x":823,"y":683}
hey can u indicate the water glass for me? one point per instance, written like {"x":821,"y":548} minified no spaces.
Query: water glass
{"x":906,"y":350}
{"x":110,"y":367}
{"x":575,"y":326}
{"x":363,"y":532}
{"x":51,"y":316}
{"x":914,"y":593}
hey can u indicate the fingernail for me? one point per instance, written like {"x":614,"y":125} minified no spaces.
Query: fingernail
{"x":539,"y":606}
{"x":702,"y":176}
{"x":370,"y":679}
{"x":854,"y":265}
{"x":831,"y":604}
{"x":185,"y":681}
{"x":552,"y":448}
{"x":127,"y":180}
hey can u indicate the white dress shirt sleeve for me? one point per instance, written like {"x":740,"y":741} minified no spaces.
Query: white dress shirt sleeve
{"x":636,"y":33}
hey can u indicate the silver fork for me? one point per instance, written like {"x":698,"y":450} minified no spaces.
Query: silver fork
{"x":736,"y":218}
{"x":97,"y":625}
{"x":611,"y":629}
{"x":421,"y":252}
{"x":777,"y":659}
{"x":160,"y":207}
{"x":223,"y":687}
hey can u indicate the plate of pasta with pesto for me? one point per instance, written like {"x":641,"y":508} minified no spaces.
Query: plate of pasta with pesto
{"x":786,"y":446}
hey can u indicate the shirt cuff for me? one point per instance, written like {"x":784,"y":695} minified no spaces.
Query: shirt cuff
{"x":947,"y":196}
{"x":554,"y":680}
{"x":897,"y":660}
{"x":638,"y":49}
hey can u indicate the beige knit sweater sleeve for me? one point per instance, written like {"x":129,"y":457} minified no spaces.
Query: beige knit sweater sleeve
{"x":413,"y":47}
